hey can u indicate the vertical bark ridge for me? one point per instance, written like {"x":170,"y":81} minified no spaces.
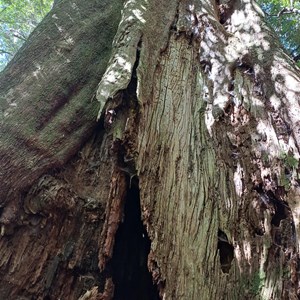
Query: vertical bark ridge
{"x":198,"y":114}
{"x":181,"y":209}
{"x":232,"y":151}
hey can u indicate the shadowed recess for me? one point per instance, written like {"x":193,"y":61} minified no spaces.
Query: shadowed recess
{"x":129,"y":262}
{"x":225,"y":251}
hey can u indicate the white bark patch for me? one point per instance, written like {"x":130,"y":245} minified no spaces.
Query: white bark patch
{"x":238,"y":180}
{"x":247,"y":250}
{"x":119,"y":70}
{"x":266,"y":128}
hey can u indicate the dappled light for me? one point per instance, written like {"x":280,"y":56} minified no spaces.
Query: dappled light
{"x":283,"y":17}
{"x":118,"y":74}
{"x":238,"y":180}
{"x":18,"y":20}
{"x":141,"y":141}
{"x":258,"y":91}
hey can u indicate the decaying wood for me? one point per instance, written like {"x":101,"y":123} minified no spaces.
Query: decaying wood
{"x":199,"y":113}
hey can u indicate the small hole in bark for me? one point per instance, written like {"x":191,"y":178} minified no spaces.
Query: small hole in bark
{"x":231,"y":86}
{"x":226,"y":251}
{"x":229,"y":108}
{"x":281,"y":209}
{"x":129,"y":263}
{"x":280,"y":214}
{"x":225,"y":9}
{"x":259,"y":231}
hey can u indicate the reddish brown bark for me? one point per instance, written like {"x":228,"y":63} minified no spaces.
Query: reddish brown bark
{"x":197,"y":139}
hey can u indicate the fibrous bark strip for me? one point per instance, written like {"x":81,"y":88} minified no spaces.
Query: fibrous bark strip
{"x":199,"y":105}
{"x":214,"y":147}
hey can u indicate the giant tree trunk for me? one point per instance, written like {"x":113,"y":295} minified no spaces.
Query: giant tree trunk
{"x":192,"y":170}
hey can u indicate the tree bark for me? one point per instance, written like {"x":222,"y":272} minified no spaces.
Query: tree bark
{"x":192,"y":170}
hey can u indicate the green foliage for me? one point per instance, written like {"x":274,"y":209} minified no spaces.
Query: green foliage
{"x":253,"y":284}
{"x":284,"y":19}
{"x":290,"y":164}
{"x":257,"y":282}
{"x":19,"y":17}
{"x":17,"y":20}
{"x":289,"y":160}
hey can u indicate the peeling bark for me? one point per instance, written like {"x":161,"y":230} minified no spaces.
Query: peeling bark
{"x":199,"y":121}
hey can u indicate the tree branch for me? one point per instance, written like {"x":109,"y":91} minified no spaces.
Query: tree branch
{"x":5,"y":52}
{"x":296,"y":58}
{"x":288,"y":10}
{"x":19,"y":36}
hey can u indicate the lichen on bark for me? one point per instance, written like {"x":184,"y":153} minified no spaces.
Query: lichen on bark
{"x":201,"y":101}
{"x":207,"y":119}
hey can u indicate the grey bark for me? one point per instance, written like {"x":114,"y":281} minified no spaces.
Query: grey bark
{"x":47,"y":93}
{"x":201,"y":105}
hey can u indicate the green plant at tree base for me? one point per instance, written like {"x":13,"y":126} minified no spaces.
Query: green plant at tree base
{"x":253,"y":285}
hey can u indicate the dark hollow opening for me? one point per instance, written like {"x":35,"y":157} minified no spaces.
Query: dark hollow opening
{"x":282,"y":209}
{"x":226,"y":251}
{"x":129,"y":263}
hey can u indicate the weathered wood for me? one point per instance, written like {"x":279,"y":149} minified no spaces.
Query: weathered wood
{"x":51,"y":250}
{"x":51,"y":232}
{"x":47,"y":92}
{"x":199,"y":115}
{"x":218,"y":131}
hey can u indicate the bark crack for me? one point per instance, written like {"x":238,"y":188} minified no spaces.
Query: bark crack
{"x":128,"y":265}
{"x":226,"y":251}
